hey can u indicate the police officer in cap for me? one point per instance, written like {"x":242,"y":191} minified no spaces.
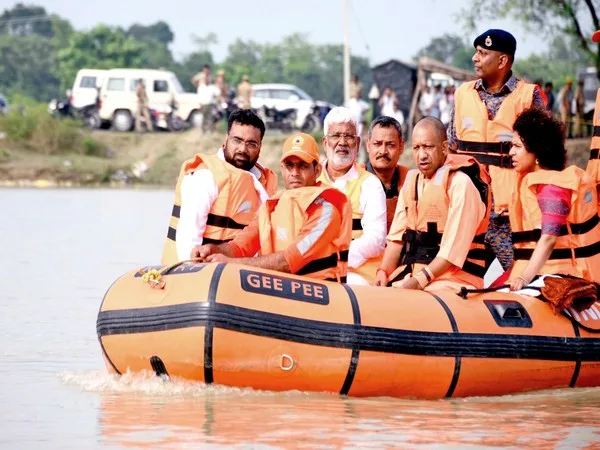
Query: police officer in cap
{"x":481,"y":125}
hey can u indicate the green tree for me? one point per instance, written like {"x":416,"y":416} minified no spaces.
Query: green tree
{"x":450,"y":49}
{"x":62,"y":30}
{"x":103,"y":47}
{"x":25,"y":20}
{"x":317,"y":69}
{"x":28,"y":67}
{"x":157,"y":32}
{"x":570,"y":18}
{"x":156,"y":38}
{"x":561,"y":60}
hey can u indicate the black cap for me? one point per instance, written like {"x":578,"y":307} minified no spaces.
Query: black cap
{"x":498,"y":40}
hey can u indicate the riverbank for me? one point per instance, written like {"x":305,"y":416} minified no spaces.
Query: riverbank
{"x":147,"y":159}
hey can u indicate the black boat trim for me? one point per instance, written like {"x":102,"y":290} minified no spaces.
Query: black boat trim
{"x":104,"y":352}
{"x":210,"y":324}
{"x":328,"y":334}
{"x":457,"y":359}
{"x":577,"y":362}
{"x":355,"y":349}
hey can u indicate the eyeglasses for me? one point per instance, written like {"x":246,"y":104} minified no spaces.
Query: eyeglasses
{"x":335,"y":138}
{"x":250,"y":145}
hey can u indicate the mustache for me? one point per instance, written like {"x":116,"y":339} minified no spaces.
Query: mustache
{"x":386,"y":157}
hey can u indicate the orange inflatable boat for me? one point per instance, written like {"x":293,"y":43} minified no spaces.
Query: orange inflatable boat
{"x":240,"y":326}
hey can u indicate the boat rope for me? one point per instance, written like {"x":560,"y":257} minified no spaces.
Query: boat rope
{"x":154,"y":277}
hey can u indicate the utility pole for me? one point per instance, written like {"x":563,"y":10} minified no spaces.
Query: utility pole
{"x":346,"y":53}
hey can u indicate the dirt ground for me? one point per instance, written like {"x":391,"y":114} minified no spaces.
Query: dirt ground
{"x":151,"y":159}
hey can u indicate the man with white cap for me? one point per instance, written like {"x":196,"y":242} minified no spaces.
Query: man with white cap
{"x":305,"y":229}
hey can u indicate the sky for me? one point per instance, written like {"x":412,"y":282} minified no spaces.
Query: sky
{"x":378,"y":29}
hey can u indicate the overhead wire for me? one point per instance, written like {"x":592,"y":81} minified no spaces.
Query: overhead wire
{"x":362,"y":34}
{"x":17,"y":20}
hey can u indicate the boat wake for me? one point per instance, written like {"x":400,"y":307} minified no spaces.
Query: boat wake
{"x":148,"y":383}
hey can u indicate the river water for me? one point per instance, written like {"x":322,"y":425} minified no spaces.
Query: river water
{"x":61,"y":249}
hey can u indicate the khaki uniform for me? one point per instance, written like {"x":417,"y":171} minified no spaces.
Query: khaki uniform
{"x":244,"y":92}
{"x":142,"y":109}
{"x":356,"y":89}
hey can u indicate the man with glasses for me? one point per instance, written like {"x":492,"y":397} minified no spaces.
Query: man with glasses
{"x":217,"y":195}
{"x":363,"y":189}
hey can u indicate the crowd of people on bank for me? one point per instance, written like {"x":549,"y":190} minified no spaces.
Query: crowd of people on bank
{"x":493,"y":183}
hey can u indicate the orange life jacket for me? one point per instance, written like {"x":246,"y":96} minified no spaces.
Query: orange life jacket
{"x":285,"y":213}
{"x":392,"y":201}
{"x":236,"y":204}
{"x":489,"y":140}
{"x":593,"y":167}
{"x":577,"y":249}
{"x":352,"y":190}
{"x":426,"y":218}
{"x":268,"y":179}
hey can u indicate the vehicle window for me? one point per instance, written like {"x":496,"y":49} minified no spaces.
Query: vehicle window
{"x":176,"y":85}
{"x":263,"y":93}
{"x":281,"y":94}
{"x":115,"y":84}
{"x":161,"y":86}
{"x":303,"y":95}
{"x":590,"y":83}
{"x":88,"y":82}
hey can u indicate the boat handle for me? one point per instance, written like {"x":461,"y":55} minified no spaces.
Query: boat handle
{"x":287,"y":363}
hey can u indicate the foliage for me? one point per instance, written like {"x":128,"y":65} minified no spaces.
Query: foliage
{"x":317,"y":69}
{"x":450,"y":49}
{"x":103,"y":47}
{"x":158,"y":32}
{"x":62,"y":31}
{"x":570,"y":18}
{"x":26,"y":20}
{"x":41,"y":68}
{"x":562,"y":60}
{"x":32,"y":126}
{"x":19,"y":125}
{"x":28,"y":65}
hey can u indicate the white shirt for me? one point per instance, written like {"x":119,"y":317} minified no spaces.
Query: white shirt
{"x":374,"y":219}
{"x":198,"y":193}
{"x":387,"y":107}
{"x":398,"y":115}
{"x":357,"y":108}
{"x":207,"y":93}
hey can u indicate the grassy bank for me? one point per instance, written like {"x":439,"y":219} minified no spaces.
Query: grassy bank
{"x":40,"y":150}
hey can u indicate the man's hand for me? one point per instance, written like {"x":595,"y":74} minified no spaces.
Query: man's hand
{"x":380,"y":278}
{"x":409,"y":283}
{"x":204,"y":251}
{"x":218,"y":257}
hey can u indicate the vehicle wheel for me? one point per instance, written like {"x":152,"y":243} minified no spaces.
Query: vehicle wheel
{"x":311,"y":124}
{"x":122,"y":121}
{"x":195,"y":119}
{"x":92,"y":121}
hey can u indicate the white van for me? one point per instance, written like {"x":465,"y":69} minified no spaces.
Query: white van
{"x":85,"y":87}
{"x":119,"y":103}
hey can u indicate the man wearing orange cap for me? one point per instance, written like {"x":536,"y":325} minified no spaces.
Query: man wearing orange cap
{"x":593,"y":167}
{"x":305,"y":229}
